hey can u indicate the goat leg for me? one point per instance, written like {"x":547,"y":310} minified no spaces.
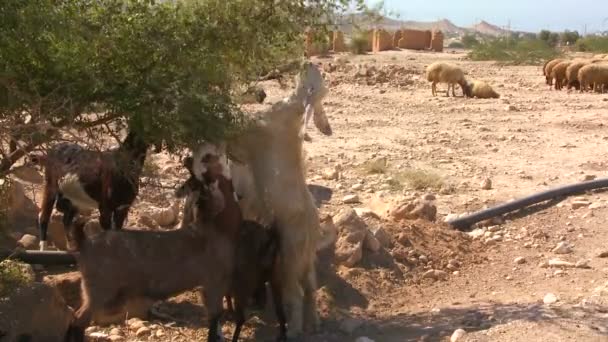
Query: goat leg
{"x":240,"y":319}
{"x":48,"y":202}
{"x":82,"y":318}
{"x":69,"y":213}
{"x":277,"y":298}
{"x":119,"y":216}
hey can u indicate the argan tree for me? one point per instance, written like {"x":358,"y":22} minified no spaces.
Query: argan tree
{"x":82,"y":69}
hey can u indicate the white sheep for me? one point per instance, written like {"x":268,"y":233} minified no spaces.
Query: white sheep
{"x":271,"y":151}
{"x":595,"y":74}
{"x":451,"y":74}
{"x":482,"y":90}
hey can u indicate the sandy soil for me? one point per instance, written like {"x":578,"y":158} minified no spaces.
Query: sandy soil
{"x":530,"y":139}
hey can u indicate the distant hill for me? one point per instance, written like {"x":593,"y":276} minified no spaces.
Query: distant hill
{"x":445,"y":25}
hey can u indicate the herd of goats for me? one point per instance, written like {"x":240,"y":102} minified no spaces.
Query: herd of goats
{"x":247,"y":221}
{"x":230,"y":245}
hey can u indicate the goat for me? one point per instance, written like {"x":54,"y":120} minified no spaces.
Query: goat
{"x":257,"y":247}
{"x":269,"y":154}
{"x":117,"y":265}
{"x":79,"y":179}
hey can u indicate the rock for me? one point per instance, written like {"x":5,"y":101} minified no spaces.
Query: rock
{"x":457,"y":335}
{"x":148,"y":221}
{"x":365,"y":212}
{"x":550,"y":298}
{"x":159,"y":333}
{"x":582,"y":264}
{"x":560,"y":263}
{"x":348,"y":220}
{"x":435,"y":274}
{"x":562,"y":248}
{"x":28,"y":241}
{"x":349,"y":325}
{"x":520,"y":260}
{"x":380,"y":207}
{"x":329,"y":233}
{"x":114,"y":338}
{"x":99,"y":336}
{"x":586,"y":178}
{"x":135,"y":323}
{"x":164,"y":216}
{"x":115,"y":331}
{"x":477,"y":233}
{"x":357,"y":187}
{"x":364,"y":339}
{"x":143,"y":331}
{"x":510,"y":108}
{"x":371,"y":243}
{"x":602,"y":254}
{"x":331,"y":174}
{"x":350,"y":199}
{"x":383,"y":237}
{"x":35,"y":310}
{"x":418,"y":209}
{"x":348,"y":253}
{"x":486,"y":184}
{"x":579,"y":204}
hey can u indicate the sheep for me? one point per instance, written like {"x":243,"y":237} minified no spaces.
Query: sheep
{"x":117,"y":265}
{"x":257,"y":247}
{"x":78,"y":179}
{"x":595,"y":74}
{"x":558,"y":73}
{"x":482,"y":90}
{"x":549,"y":67}
{"x":572,"y":74}
{"x":270,"y":151}
{"x":440,"y":72}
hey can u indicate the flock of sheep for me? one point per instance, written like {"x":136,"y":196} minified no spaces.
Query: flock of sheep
{"x":441,"y":72}
{"x":581,"y":74}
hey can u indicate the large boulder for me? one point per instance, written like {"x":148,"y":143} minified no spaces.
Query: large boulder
{"x":30,"y":311}
{"x":68,"y":285}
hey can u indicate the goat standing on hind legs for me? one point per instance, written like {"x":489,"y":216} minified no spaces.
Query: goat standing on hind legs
{"x":79,"y":179}
{"x":273,"y":185}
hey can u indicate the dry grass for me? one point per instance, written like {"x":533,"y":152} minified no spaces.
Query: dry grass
{"x":376,"y":166}
{"x":419,"y":179}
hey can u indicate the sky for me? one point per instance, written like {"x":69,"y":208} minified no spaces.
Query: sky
{"x":525,"y":15}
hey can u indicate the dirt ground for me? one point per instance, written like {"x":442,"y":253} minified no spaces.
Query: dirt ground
{"x":532,"y":138}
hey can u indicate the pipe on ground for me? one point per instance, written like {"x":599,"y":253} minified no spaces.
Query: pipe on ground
{"x":465,"y":222}
{"x":41,"y":257}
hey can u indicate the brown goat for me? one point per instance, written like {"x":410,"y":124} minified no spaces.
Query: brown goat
{"x":117,"y":265}
{"x":257,"y":247}
{"x":80,"y":179}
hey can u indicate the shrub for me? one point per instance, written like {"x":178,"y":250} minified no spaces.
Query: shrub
{"x":456,"y":45}
{"x":469,"y":41}
{"x":359,"y":43}
{"x":13,"y":275}
{"x":597,"y":44}
{"x":514,"y":51}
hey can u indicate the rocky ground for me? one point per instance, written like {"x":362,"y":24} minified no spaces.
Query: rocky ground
{"x":399,"y":158}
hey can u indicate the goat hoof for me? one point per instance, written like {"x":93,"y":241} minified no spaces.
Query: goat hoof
{"x":42,"y":245}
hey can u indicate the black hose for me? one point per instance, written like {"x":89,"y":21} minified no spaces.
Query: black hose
{"x":41,"y":257}
{"x":465,"y":222}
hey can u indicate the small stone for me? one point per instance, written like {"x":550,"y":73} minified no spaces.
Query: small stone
{"x":550,"y":298}
{"x":364,"y":339}
{"x":561,"y":263}
{"x":115,"y":331}
{"x":435,"y":274}
{"x":562,"y":248}
{"x":350,"y":199}
{"x":98,"y":336}
{"x":371,"y":243}
{"x":457,"y":335}
{"x":486,"y":184}
{"x":349,"y":325}
{"x":135,"y":323}
{"x":383,"y":237}
{"x":476,"y":233}
{"x":586,"y":178}
{"x":582,"y":264}
{"x":580,"y":204}
{"x":357,"y":187}
{"x":520,"y":260}
{"x":331,"y":174}
{"x":603,"y":254}
{"x":511,"y":108}
{"x":143,"y":331}
{"x":159,"y":333}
